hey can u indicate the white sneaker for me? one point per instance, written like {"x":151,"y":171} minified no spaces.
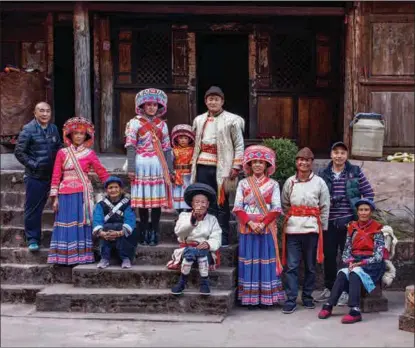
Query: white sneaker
{"x":324,"y":296}
{"x":344,"y":299}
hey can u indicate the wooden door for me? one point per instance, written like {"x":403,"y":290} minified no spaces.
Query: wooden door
{"x":300,"y":91}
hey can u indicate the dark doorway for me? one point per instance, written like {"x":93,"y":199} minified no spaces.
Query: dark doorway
{"x":63,"y":71}
{"x":222,"y":60}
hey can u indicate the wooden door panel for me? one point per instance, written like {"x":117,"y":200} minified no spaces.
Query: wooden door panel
{"x":177,"y":109}
{"x":126,"y":113}
{"x":315,"y":123}
{"x":275,"y":117}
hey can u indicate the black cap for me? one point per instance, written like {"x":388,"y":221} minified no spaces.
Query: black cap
{"x":339,"y":143}
{"x":216,"y":91}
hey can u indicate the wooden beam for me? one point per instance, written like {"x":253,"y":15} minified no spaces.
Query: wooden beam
{"x":237,"y":9}
{"x":253,"y":100}
{"x":106,"y":82}
{"x":82,"y":61}
{"x":191,"y":82}
{"x":147,"y":8}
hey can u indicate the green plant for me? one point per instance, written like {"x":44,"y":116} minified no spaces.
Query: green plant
{"x":286,"y":150}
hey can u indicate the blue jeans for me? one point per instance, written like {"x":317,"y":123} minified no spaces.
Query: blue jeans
{"x":37,"y":193}
{"x":301,"y":245}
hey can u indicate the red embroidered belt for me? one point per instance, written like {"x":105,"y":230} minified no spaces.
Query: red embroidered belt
{"x":209,"y":148}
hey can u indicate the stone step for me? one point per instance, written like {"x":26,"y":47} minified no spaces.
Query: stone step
{"x":145,"y":255}
{"x":12,"y":273}
{"x":12,"y":228}
{"x":146,"y":276}
{"x":17,"y":199}
{"x":65,"y":298}
{"x":14,"y":236}
{"x":161,"y":254}
{"x":20,"y":293}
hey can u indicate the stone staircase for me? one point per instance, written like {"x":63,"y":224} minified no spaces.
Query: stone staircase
{"x":145,"y":288}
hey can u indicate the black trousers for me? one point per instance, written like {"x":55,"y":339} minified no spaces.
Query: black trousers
{"x":333,"y":240}
{"x":353,"y":286}
{"x":207,"y":175}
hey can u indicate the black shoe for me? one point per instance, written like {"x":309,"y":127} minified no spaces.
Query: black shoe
{"x":309,"y":304}
{"x":180,"y":286}
{"x":289,"y":308}
{"x":204,"y":286}
{"x":153,"y":240}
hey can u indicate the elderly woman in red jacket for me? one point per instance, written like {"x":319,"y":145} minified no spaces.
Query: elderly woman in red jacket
{"x":364,"y":259}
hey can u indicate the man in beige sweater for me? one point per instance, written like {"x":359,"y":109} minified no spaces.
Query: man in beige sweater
{"x":306,"y":204}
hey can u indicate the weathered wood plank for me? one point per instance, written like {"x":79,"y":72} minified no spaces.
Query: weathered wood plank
{"x":180,"y":70}
{"x":252,"y":56}
{"x":107,"y":90}
{"x":82,"y":61}
{"x":392,"y":49}
{"x":398,"y":111}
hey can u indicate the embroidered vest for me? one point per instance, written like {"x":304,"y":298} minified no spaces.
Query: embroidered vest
{"x":363,"y":238}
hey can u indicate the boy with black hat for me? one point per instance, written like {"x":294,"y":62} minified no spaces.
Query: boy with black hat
{"x":347,"y":184}
{"x":218,"y":153}
{"x":114,"y":223}
{"x":199,"y":234}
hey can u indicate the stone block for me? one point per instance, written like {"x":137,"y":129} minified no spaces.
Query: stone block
{"x":407,"y":323}
{"x":15,"y":217}
{"x":22,"y":293}
{"x":371,"y":304}
{"x":11,"y":273}
{"x":66,"y":298}
{"x":146,"y":276}
{"x":409,"y":301}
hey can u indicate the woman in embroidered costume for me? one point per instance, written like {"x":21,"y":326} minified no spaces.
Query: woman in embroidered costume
{"x":364,"y":259}
{"x":257,"y":206}
{"x":71,"y":192}
{"x":150,"y":161}
{"x":183,"y":140}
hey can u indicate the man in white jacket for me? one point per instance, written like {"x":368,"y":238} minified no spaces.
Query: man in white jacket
{"x":199,"y":233}
{"x":306,"y":203}
{"x":218,"y":153}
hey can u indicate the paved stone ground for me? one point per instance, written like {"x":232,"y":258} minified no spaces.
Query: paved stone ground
{"x":243,"y":328}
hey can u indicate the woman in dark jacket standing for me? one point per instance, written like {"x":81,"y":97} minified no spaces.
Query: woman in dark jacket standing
{"x":36,"y":149}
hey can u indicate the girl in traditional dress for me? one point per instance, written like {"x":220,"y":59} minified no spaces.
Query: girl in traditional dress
{"x":183,"y":139}
{"x":150,"y":161}
{"x":363,"y":256}
{"x":257,"y":207}
{"x":72,"y":195}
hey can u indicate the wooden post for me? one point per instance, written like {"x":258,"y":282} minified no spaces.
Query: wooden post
{"x":107,"y":89}
{"x":82,"y":61}
{"x":49,"y":61}
{"x":191,"y":44}
{"x":252,"y":86}
{"x":97,"y":80}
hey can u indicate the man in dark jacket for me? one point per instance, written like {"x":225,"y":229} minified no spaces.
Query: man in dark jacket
{"x":36,"y":149}
{"x":347,"y":185}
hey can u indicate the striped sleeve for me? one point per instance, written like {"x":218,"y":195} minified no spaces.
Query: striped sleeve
{"x":364,"y":187}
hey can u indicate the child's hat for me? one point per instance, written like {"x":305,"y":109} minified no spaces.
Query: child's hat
{"x":182,"y":129}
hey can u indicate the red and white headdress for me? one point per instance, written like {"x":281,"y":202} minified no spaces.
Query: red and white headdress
{"x":259,"y":152}
{"x":182,"y":129}
{"x":78,"y":124}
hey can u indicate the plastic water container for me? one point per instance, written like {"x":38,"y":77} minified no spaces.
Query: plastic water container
{"x":368,"y":135}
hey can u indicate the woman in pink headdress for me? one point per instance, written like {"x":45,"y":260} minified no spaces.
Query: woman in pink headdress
{"x":257,"y":207}
{"x":71,"y":192}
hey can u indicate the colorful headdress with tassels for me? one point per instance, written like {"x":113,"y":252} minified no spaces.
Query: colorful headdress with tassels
{"x":78,"y":124}
{"x":151,"y":95}
{"x":259,"y":152}
{"x":182,"y":129}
